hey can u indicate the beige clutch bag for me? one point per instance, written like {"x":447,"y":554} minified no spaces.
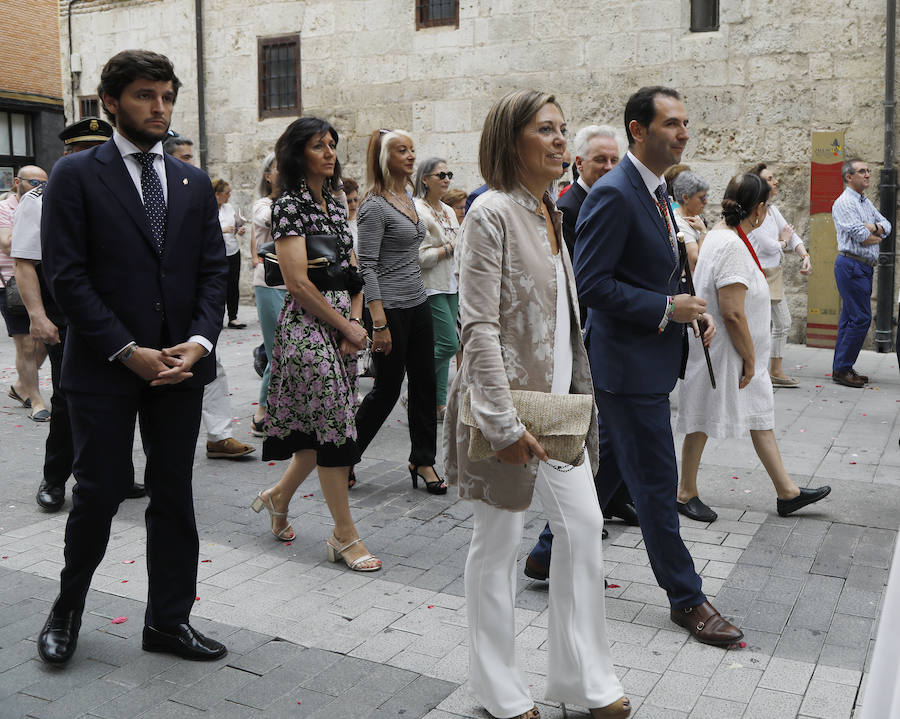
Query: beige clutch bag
{"x":560,"y":422}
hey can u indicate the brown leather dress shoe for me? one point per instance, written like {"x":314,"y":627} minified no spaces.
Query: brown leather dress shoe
{"x":228,"y":449}
{"x":848,"y":379}
{"x":863,"y":377}
{"x":707,"y":625}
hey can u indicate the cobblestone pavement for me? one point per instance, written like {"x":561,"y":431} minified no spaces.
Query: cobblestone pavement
{"x":309,"y":639}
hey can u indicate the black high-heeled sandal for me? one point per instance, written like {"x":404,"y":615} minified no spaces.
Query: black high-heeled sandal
{"x":351,"y":479}
{"x":435,"y":487}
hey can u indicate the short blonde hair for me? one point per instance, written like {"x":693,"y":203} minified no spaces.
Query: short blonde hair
{"x":498,"y":153}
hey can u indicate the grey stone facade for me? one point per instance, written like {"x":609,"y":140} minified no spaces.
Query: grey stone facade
{"x":755,"y":89}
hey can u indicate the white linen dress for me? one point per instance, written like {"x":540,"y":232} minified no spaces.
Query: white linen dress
{"x":728,"y":411}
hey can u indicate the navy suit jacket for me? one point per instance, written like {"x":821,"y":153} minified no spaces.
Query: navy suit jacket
{"x":624,"y":269}
{"x":113,"y":286}
{"x":570,"y":204}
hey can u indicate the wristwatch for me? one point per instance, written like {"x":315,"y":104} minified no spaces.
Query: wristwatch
{"x":126,"y":353}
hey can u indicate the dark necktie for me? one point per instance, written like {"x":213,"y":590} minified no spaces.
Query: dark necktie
{"x":154,"y":201}
{"x":662,"y":202}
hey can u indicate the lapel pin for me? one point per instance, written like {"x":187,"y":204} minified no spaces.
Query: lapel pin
{"x":184,"y":181}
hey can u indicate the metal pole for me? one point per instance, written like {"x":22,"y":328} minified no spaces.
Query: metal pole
{"x":887,"y":191}
{"x":201,"y":96}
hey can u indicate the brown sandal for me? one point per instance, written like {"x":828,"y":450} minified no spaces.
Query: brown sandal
{"x":532,"y":713}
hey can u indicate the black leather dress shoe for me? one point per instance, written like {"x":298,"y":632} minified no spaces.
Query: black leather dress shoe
{"x":136,"y":492}
{"x":695,"y":509}
{"x":806,"y":496}
{"x":57,"y":640}
{"x":184,"y":641}
{"x":624,"y":511}
{"x":50,"y":497}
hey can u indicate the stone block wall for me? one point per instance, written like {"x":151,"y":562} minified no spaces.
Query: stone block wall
{"x":754,"y":90}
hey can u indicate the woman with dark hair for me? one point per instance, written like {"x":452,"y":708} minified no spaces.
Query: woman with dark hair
{"x":230,"y":221}
{"x":770,"y":240}
{"x":390,"y":233}
{"x":521,"y":331}
{"x":436,"y":259}
{"x":269,"y":300}
{"x":731,"y":279}
{"x":312,"y":393}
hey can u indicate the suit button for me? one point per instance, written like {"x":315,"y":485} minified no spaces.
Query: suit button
{"x":162,"y":275}
{"x":157,"y":306}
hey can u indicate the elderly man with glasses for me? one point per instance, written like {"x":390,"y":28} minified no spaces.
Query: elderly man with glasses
{"x":30,"y":353}
{"x":860,"y":229}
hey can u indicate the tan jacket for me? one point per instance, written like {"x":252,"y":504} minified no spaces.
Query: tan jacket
{"x":507,"y":307}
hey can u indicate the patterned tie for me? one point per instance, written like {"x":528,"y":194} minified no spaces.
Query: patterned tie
{"x":154,"y":201}
{"x":662,"y":203}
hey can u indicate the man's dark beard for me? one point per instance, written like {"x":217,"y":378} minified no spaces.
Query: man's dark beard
{"x":137,"y":134}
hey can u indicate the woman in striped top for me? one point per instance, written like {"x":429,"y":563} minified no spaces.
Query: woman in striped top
{"x":390,"y":232}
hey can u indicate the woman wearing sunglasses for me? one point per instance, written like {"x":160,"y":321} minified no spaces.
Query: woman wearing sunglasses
{"x":436,"y":259}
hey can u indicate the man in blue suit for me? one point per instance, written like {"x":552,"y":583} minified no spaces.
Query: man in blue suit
{"x":133,"y":254}
{"x":628,"y":273}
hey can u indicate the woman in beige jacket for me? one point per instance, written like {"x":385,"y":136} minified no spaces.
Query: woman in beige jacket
{"x":520,"y":328}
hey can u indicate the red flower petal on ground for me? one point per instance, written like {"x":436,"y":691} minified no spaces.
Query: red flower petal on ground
{"x":271,"y":464}
{"x":124,"y":581}
{"x":120,"y":620}
{"x":127,"y":561}
{"x":743,"y":645}
{"x":853,"y":463}
{"x":204,"y":561}
{"x":287,"y":544}
{"x":818,"y":385}
{"x":430,"y":606}
{"x":613,"y":586}
{"x":196,"y":599}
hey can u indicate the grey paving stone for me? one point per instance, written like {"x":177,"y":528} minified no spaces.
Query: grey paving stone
{"x":731,"y":601}
{"x":266,"y":656}
{"x":818,"y":599}
{"x":767,"y":617}
{"x":770,"y":704}
{"x":865,"y":578}
{"x":712,"y":708}
{"x":261,"y":691}
{"x":137,"y":700}
{"x":22,"y":705}
{"x":788,"y":565}
{"x":781,"y":590}
{"x":16,"y":653}
{"x":677,"y":691}
{"x":339,"y":676}
{"x":733,"y":682}
{"x":214,"y":688}
{"x":749,"y":577}
{"x":146,"y":666}
{"x":417,"y":698}
{"x":787,"y":675}
{"x":299,"y":702}
{"x":845,"y":657}
{"x":800,"y":644}
{"x":825,"y":700}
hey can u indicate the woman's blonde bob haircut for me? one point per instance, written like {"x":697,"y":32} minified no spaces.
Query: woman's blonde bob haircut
{"x":498,"y":153}
{"x":377,"y":170}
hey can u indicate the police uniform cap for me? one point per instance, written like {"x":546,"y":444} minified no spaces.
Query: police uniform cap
{"x":89,"y":129}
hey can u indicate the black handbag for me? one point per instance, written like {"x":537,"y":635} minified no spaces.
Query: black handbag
{"x":15,"y":305}
{"x":271,"y":268}
{"x":323,"y":263}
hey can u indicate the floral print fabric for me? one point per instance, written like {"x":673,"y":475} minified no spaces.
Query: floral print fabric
{"x":313,"y":389}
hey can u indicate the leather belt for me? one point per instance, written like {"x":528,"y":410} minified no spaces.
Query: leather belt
{"x":864,"y":260}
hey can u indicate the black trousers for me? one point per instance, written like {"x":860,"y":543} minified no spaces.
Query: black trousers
{"x":58,"y":452}
{"x":412,"y":353}
{"x":233,"y":294}
{"x":103,"y":436}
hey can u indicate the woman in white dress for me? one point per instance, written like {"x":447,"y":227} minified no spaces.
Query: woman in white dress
{"x":519,"y":316}
{"x":731,"y":279}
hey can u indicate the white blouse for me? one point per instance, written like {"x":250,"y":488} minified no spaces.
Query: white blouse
{"x":765,"y":239}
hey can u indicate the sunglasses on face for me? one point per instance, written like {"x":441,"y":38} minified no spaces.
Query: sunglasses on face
{"x":442,"y":175}
{"x":864,"y":171}
{"x":33,"y":183}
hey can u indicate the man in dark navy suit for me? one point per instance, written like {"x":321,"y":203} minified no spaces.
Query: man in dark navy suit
{"x":628,"y":274}
{"x":134,"y":257}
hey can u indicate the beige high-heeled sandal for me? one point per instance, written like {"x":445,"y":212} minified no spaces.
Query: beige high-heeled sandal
{"x":532,"y":713}
{"x":336,"y":554}
{"x":286,"y":534}
{"x":619,"y":709}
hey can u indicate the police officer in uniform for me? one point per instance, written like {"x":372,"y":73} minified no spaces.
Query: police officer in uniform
{"x":47,"y":323}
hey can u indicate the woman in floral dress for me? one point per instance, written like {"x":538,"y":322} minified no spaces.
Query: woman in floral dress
{"x":312,"y":391}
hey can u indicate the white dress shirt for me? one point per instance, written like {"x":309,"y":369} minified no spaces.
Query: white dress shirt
{"x":128,"y":149}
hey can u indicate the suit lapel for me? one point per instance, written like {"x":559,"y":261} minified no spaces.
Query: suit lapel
{"x":177,"y":202}
{"x":648,"y":204}
{"x":114,"y":176}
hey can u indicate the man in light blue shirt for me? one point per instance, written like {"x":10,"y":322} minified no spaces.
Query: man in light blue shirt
{"x":860,"y":229}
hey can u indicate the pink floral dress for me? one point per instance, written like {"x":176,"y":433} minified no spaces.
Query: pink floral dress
{"x":313,"y":390}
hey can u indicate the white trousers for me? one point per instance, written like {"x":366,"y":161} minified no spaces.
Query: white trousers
{"x":217,"y":415}
{"x":580,"y":669}
{"x":781,"y":327}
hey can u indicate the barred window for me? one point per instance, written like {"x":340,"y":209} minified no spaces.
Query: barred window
{"x":279,"y":76}
{"x":88,"y":107}
{"x":704,"y":15}
{"x":431,"y":13}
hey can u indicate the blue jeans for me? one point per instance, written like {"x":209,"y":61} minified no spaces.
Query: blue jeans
{"x":269,"y":301}
{"x":854,"y":283}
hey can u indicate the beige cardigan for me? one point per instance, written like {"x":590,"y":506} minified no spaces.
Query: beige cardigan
{"x":507,"y":307}
{"x":437,"y":266}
